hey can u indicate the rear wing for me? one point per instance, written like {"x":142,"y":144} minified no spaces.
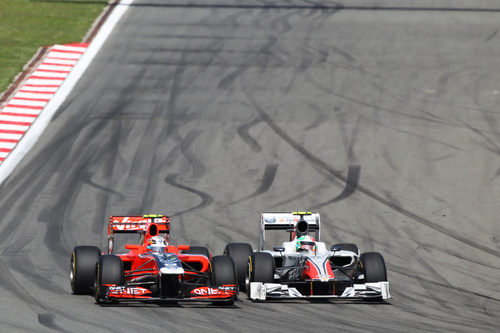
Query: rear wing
{"x":137,"y":224}
{"x":288,"y":222}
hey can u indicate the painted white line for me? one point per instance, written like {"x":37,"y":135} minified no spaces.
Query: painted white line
{"x":49,"y":60}
{"x":44,"y":82}
{"x":37,"y":128}
{"x":64,"y":55}
{"x":10,"y":136}
{"x":70,"y":48}
{"x":3,"y":154}
{"x":8,"y":145}
{"x":24,"y":102}
{"x":55,"y":68}
{"x":39,"y":89}
{"x":50,"y":74}
{"x":13,"y":109}
{"x":32,"y":95}
{"x":10,"y":127}
{"x":16,"y":118}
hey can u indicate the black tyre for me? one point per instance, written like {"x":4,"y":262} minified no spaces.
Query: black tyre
{"x":109,"y":271}
{"x":222,"y":272}
{"x":197,"y":250}
{"x":83,"y":269}
{"x":240,"y":252}
{"x":348,"y":247}
{"x":261,"y":268}
{"x":373,"y":266}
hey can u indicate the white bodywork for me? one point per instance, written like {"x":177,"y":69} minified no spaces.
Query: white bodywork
{"x":261,"y":291}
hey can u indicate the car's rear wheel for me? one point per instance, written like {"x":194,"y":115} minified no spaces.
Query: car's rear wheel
{"x":197,"y":250}
{"x":222,"y":272}
{"x":260,"y":268}
{"x":83,"y":269}
{"x":240,"y":252}
{"x":373,"y":266}
{"x":109,"y":271}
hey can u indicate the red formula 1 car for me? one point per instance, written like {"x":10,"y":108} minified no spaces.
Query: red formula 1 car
{"x":151,"y":270}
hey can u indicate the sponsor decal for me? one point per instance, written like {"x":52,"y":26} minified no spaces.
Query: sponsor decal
{"x":126,"y":291}
{"x":271,"y":219}
{"x":220,"y":291}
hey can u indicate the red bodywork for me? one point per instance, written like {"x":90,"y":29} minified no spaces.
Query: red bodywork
{"x":144,"y":279}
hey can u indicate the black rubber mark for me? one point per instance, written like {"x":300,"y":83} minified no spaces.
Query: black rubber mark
{"x":243,"y":133}
{"x":490,"y":37}
{"x":86,"y":178}
{"x":316,"y":162}
{"x":206,"y":199}
{"x":265,"y":184}
{"x":228,"y":79}
{"x":350,"y":186}
{"x":47,"y":320}
{"x":198,"y":167}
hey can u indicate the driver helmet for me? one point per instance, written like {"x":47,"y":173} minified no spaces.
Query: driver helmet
{"x":305,"y":243}
{"x":156,"y":244}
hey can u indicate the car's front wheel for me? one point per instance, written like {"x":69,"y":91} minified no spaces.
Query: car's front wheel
{"x":240,"y":252}
{"x":109,"y":271}
{"x":222,"y":272}
{"x":260,"y":269}
{"x":373,"y":267}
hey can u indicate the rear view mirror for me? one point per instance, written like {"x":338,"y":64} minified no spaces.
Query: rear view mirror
{"x":279,"y":249}
{"x":335,"y":248}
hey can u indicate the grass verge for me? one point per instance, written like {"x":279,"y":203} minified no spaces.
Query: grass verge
{"x":26,"y":25}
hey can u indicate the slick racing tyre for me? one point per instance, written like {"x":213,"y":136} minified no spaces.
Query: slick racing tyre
{"x":373,"y":266}
{"x":222,"y":272}
{"x":260,"y":268}
{"x":197,"y":250}
{"x":240,"y":252}
{"x":83,"y":269}
{"x":109,"y":271}
{"x":348,"y":247}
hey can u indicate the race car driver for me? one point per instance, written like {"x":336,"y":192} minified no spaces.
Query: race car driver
{"x":305,"y":244}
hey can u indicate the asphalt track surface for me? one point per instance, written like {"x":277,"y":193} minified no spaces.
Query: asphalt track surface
{"x":383,"y":116}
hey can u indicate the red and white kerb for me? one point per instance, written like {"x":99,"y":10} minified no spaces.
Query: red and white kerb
{"x":35,"y":93}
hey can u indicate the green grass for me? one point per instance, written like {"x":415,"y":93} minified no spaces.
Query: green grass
{"x":26,"y":25}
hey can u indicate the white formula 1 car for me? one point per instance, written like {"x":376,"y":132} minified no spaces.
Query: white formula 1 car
{"x":303,"y":267}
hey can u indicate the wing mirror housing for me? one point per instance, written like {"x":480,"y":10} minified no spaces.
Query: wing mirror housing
{"x":336,"y":248}
{"x":279,"y":249}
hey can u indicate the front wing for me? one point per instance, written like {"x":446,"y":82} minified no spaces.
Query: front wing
{"x":139,"y":294}
{"x":264,"y":291}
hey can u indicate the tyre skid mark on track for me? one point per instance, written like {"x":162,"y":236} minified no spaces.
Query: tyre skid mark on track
{"x":351,"y":185}
{"x":198,"y":167}
{"x":373,"y":106}
{"x":319,"y":117}
{"x":265,"y":184}
{"x":10,"y":284}
{"x":245,"y":136}
{"x":331,"y":172}
{"x":206,"y":199}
